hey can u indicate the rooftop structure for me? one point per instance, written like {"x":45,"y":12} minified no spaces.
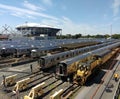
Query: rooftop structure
{"x":3,"y":37}
{"x":34,"y":29}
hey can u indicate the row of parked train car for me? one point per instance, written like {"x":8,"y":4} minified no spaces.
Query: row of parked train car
{"x":51,"y":60}
{"x":20,"y":51}
{"x":79,"y":68}
{"x":75,"y":65}
{"x":26,"y":47}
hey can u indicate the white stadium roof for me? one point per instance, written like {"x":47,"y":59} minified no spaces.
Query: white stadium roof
{"x":34,"y":25}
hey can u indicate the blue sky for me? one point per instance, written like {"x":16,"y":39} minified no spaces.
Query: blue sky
{"x":73,"y":16}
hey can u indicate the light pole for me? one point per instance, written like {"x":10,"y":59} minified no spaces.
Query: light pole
{"x":111,"y":30}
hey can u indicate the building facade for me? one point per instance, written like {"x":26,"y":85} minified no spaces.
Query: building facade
{"x":38,"y":30}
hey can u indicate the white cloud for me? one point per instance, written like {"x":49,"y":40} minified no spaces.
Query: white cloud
{"x":69,"y":27}
{"x":30,"y":17}
{"x":47,"y":2}
{"x":66,"y":24}
{"x":53,"y":23}
{"x":116,"y":6}
{"x":17,"y":15}
{"x":32,"y":6}
{"x":25,"y":12}
{"x":20,"y":15}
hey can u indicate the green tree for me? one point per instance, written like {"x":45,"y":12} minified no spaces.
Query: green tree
{"x":106,"y":36}
{"x":116,"y":36}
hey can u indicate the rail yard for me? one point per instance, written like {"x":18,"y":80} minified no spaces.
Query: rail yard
{"x":59,"y":69}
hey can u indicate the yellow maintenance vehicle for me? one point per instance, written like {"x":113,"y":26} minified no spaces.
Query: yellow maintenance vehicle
{"x":85,"y":69}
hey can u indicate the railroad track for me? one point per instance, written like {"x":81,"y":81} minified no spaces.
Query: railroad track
{"x":35,"y":79}
{"x":15,"y":62}
{"x":11,"y":60}
{"x":51,"y":85}
{"x":7,"y":60}
{"x":70,"y":92}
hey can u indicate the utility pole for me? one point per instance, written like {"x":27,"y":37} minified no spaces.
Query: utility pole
{"x":111,"y":30}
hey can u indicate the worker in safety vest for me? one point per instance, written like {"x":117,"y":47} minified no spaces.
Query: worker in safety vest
{"x":116,"y":76}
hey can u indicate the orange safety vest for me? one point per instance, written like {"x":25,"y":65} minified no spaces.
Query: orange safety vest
{"x":116,"y":75}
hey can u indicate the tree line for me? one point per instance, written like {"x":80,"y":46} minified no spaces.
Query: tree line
{"x":76,"y":36}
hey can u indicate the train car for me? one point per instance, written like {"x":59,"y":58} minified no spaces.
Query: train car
{"x":86,"y":69}
{"x":79,"y":67}
{"x":66,"y":69}
{"x":48,"y":61}
{"x":38,"y":52}
{"x":51,"y":60}
{"x":7,"y":51}
{"x":91,"y":66}
{"x":22,"y":51}
{"x":1,"y":51}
